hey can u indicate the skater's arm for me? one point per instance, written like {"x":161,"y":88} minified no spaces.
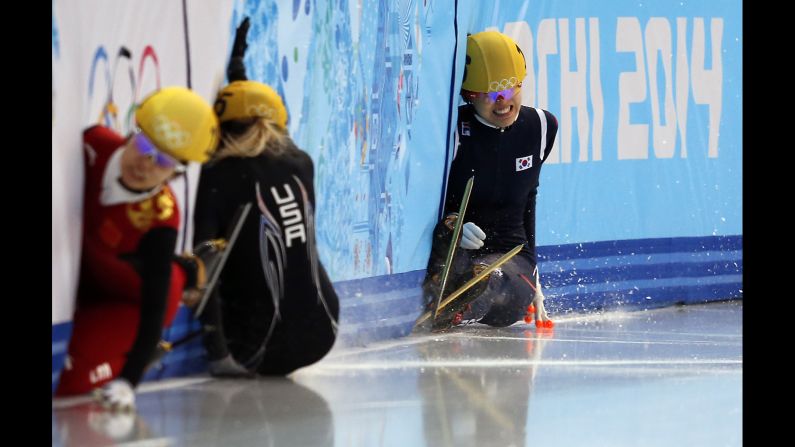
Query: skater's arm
{"x":236,"y":70}
{"x":155,"y":254}
{"x":309,"y":175}
{"x":551,"y":132}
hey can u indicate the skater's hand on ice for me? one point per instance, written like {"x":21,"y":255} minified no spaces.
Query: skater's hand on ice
{"x":117,"y":394}
{"x":115,"y":425}
{"x":472,"y":236}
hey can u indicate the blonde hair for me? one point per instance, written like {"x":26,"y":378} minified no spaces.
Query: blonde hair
{"x":252,"y":139}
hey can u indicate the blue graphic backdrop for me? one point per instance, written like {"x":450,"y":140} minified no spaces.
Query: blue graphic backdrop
{"x":357,"y":106}
{"x":639,"y":203}
{"x":368,"y":93}
{"x":684,"y":190}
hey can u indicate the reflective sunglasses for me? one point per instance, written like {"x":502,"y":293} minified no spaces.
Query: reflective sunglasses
{"x":506,"y":94}
{"x":148,"y":149}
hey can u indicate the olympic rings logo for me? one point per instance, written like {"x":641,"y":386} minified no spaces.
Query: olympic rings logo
{"x":109,"y":114}
{"x":504,"y":84}
{"x":260,"y":110}
{"x":170,"y":133}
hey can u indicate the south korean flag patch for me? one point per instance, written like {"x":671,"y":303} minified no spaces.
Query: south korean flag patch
{"x":523,"y":163}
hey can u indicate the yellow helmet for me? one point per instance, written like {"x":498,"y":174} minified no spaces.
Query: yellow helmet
{"x":180,"y":123}
{"x":494,"y":63}
{"x":250,"y":99}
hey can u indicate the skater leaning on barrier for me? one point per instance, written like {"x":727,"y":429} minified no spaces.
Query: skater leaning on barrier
{"x":503,"y":145}
{"x":131,"y":282}
{"x":275,"y":309}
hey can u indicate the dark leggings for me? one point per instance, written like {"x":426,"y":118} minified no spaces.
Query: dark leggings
{"x":507,"y":291}
{"x":301,"y":334}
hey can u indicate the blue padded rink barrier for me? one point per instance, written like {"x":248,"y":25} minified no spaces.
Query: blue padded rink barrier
{"x":659,"y":377}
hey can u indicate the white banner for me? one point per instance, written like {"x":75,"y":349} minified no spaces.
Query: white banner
{"x":107,"y":55}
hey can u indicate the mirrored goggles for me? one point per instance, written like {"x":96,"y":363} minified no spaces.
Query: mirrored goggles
{"x":492,"y":97}
{"x":160,"y":158}
{"x":506,"y":94}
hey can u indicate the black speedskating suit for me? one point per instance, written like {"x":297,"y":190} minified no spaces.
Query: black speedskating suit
{"x":506,"y":164}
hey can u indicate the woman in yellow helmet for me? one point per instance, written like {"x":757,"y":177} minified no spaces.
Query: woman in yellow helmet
{"x":275,"y":309}
{"x":503,"y":144}
{"x":130,"y":282}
